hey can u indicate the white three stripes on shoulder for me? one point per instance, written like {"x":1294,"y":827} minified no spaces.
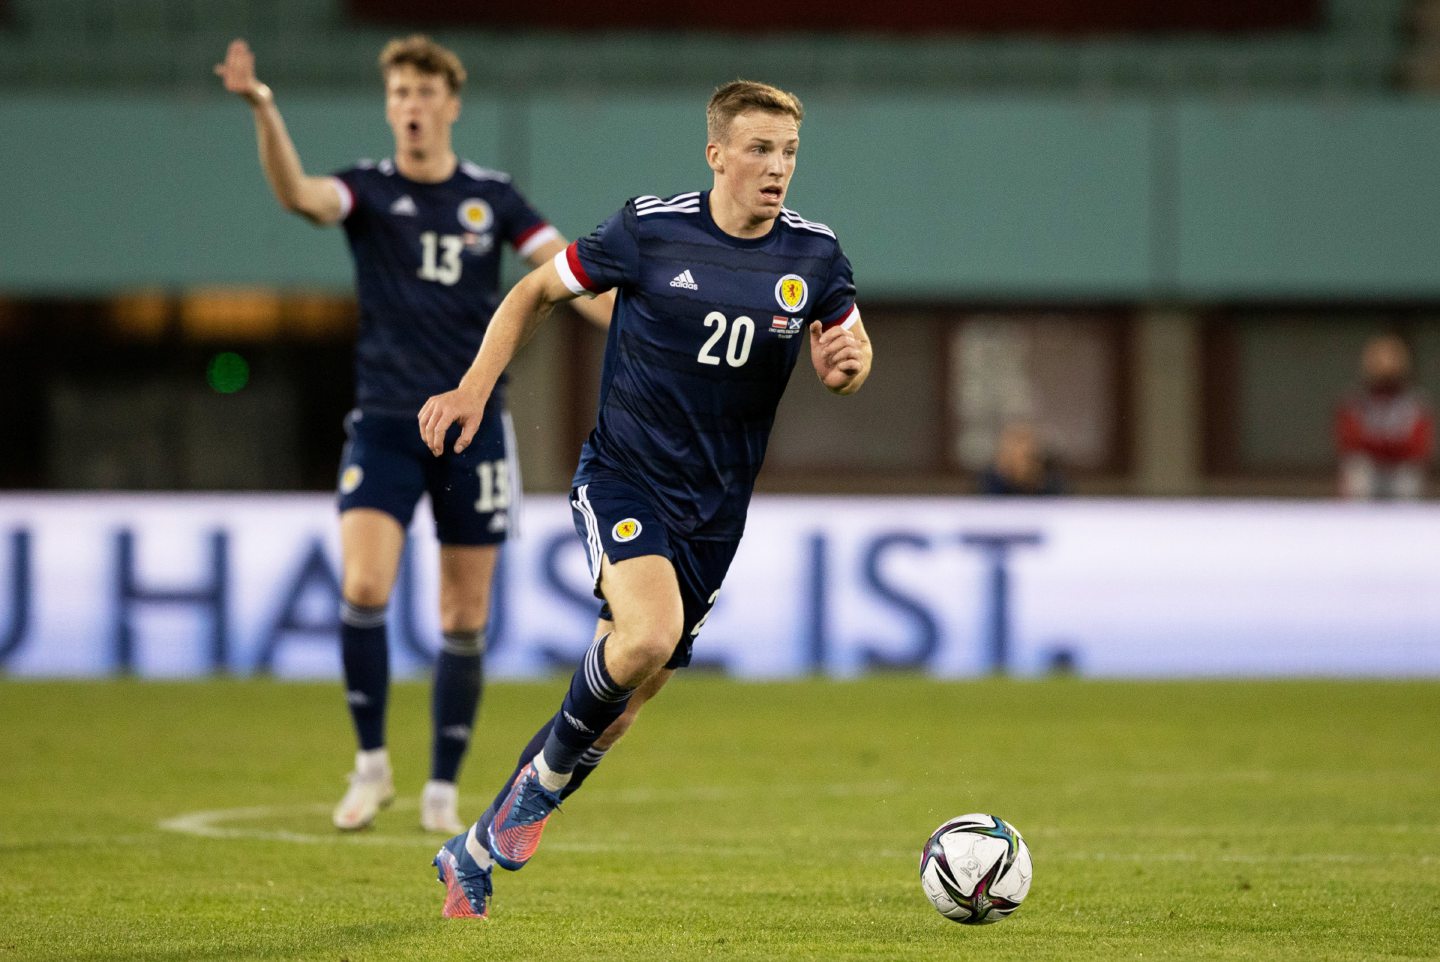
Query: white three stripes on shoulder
{"x":648,"y":200}
{"x":687,"y":203}
{"x":476,"y":172}
{"x":800,"y":223}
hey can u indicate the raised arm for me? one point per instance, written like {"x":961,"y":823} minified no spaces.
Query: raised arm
{"x":315,"y":198}
{"x":595,"y":309}
{"x":528,"y":303}
{"x":841,"y":355}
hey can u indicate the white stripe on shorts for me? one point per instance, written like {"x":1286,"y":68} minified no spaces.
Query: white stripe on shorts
{"x":593,"y":550}
{"x":512,"y":468}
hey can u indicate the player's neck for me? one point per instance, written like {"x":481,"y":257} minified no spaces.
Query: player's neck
{"x":429,"y":168}
{"x":733,"y":219}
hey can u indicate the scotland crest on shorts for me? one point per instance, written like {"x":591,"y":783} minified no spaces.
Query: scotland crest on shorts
{"x":626,"y":530}
{"x":350,"y":478}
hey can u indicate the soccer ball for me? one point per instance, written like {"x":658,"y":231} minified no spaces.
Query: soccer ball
{"x":975,"y":869}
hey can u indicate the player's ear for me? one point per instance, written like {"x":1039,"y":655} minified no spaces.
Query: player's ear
{"x":713,"y":157}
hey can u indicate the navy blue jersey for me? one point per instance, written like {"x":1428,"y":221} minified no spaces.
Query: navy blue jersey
{"x":427,"y":273}
{"x":704,"y":335}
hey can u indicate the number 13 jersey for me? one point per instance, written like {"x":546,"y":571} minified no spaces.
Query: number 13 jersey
{"x":427,"y":273}
{"x":704,"y":336}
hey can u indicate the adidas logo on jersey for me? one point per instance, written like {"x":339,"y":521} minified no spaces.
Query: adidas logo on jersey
{"x":686,"y":280}
{"x":405,"y":206}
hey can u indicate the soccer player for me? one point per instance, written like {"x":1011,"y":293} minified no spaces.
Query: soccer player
{"x":716,"y":292}
{"x":425,"y":230}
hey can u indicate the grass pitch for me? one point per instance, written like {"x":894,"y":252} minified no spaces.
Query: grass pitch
{"x":1214,"y":820}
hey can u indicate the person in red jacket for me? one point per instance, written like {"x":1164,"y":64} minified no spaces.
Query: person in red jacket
{"x":1385,"y":428}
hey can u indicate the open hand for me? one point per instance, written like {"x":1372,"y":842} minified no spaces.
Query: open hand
{"x":238,"y":73}
{"x":452,"y":407}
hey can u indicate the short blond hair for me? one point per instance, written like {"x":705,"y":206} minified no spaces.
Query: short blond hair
{"x":426,"y":56}
{"x":733,"y":99}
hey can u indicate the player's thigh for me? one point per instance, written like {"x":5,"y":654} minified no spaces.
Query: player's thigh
{"x":467,"y":573}
{"x":628,"y":550}
{"x":644,"y":596}
{"x":475,"y":494}
{"x":382,"y":466}
{"x":700,"y":569}
{"x":371,"y":543}
{"x":382,"y":475}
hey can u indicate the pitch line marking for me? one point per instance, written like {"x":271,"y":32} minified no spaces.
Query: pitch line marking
{"x":208,"y":824}
{"x":212,"y":824}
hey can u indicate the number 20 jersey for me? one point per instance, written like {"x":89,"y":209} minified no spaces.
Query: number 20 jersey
{"x":427,"y":273}
{"x":705,"y":333}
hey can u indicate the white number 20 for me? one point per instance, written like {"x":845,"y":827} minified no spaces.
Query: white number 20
{"x":742,"y":334}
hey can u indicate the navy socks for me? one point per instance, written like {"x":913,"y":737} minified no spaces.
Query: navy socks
{"x":592,"y":703}
{"x":455,"y":699}
{"x":366,"y":661}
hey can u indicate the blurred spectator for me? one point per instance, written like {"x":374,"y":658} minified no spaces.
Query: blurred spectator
{"x":1021,"y":464}
{"x":1420,"y":64}
{"x":1385,"y":429}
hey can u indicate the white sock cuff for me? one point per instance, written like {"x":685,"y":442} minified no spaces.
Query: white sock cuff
{"x":357,"y":616}
{"x":372,"y":762}
{"x":551,"y":779}
{"x":477,"y":848}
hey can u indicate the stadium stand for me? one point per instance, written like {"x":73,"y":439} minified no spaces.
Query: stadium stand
{"x":150,"y":43}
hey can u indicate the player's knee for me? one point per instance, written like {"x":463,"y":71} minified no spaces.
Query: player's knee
{"x":644,"y":648}
{"x":658,"y":646}
{"x":364,"y":591}
{"x":463,"y":617}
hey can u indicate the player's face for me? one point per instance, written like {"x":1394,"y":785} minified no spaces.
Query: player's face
{"x":420,"y":109}
{"x":754,"y":164}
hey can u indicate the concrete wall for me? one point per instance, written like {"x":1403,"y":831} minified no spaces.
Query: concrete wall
{"x":1024,"y":198}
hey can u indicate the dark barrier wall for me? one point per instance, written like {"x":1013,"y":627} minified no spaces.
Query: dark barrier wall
{"x":926,"y":16}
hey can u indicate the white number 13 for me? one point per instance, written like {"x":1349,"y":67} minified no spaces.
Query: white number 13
{"x":444,"y":268}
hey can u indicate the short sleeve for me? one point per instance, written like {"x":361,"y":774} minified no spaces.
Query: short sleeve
{"x":521,"y":224}
{"x":836,"y":304}
{"x":607,"y":258}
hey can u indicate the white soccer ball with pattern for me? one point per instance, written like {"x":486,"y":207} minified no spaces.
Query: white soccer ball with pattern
{"x":975,"y":869}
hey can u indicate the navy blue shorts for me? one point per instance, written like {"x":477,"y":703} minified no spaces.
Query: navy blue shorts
{"x":474,"y":496}
{"x":615,"y":519}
